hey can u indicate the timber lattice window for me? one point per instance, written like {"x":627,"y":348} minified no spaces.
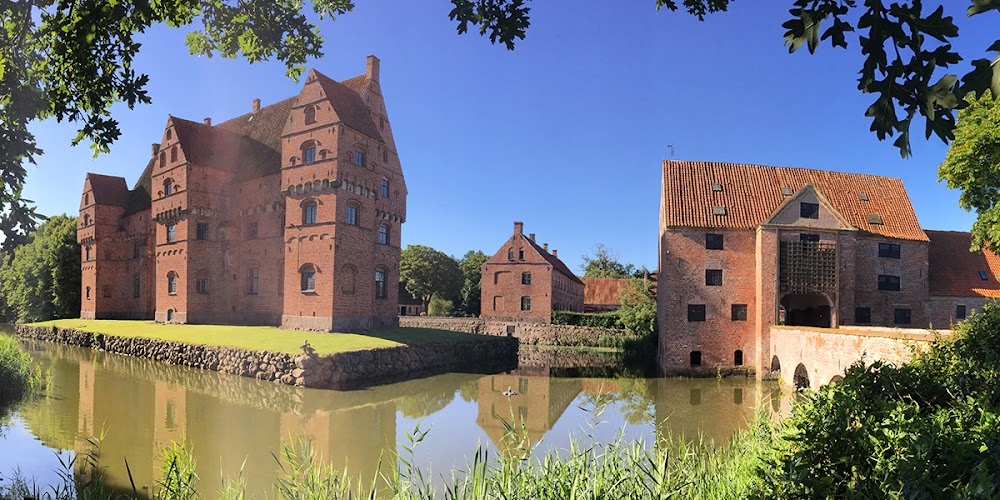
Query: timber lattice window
{"x":808,"y":267}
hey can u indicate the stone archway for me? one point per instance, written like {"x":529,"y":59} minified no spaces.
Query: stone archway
{"x":808,"y":309}
{"x":775,"y":363}
{"x":801,"y":377}
{"x":836,"y":380}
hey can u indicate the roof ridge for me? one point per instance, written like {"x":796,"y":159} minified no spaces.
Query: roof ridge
{"x":777,"y":167}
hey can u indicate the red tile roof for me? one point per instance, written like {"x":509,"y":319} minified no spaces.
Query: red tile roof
{"x":352,"y":111}
{"x":603,"y":291}
{"x":954,"y":270}
{"x":554,"y":261}
{"x":752,"y":193}
{"x":108,"y":190}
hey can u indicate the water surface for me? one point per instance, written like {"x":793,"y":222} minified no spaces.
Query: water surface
{"x":142,"y":406}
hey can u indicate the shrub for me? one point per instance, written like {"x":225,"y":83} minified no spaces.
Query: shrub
{"x":440,"y":307}
{"x":593,"y":320}
{"x":929,"y":428}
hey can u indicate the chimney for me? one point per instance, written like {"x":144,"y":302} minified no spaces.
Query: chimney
{"x":371,"y":68}
{"x":518,"y":227}
{"x":155,"y":148}
{"x":256,"y":105}
{"x":555,"y":253}
{"x":545,"y":246}
{"x":208,"y":121}
{"x":531,"y":236}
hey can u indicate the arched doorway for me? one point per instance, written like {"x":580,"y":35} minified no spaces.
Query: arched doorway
{"x":801,"y":377}
{"x":170,"y":315}
{"x":775,"y":363}
{"x":808,"y":309}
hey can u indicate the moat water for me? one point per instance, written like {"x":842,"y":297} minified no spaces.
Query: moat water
{"x":142,"y":406}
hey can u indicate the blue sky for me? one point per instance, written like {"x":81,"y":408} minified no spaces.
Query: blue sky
{"x":566,"y":133}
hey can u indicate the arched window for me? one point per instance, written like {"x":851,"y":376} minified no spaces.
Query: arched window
{"x":173,"y":154}
{"x":163,"y":159}
{"x":308,"y":152}
{"x":309,"y":212}
{"x":169,"y":134}
{"x":86,"y":199}
{"x":87,"y":254}
{"x":172,"y":283}
{"x":171,"y":232}
{"x":308,"y":278}
{"x":86,"y":220}
{"x":168,"y":187}
{"x":310,"y":113}
{"x":88,"y":293}
{"x":359,"y":158}
{"x":253,"y":278}
{"x":380,"y":288}
{"x":510,"y":254}
{"x":385,"y":188}
{"x":383,"y":234}
{"x":352,"y":214}
{"x":348,"y":277}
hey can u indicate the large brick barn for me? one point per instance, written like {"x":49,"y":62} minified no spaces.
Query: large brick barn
{"x":745,"y":247}
{"x":287,"y":215}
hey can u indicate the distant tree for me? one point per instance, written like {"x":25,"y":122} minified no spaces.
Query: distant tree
{"x":973,"y":166}
{"x":638,"y":310}
{"x":604,"y":264}
{"x":42,"y":281}
{"x":440,"y":307}
{"x":471,"y":263}
{"x":427,"y":273}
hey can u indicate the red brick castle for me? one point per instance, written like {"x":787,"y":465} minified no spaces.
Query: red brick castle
{"x":288,"y":215}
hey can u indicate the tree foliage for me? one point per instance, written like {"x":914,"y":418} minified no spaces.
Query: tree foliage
{"x":638,"y":310}
{"x":604,"y":264}
{"x":42,"y":281}
{"x":427,"y":273}
{"x":905,"y":47}
{"x":973,"y":165}
{"x":471,"y":265}
{"x":926,"y":429}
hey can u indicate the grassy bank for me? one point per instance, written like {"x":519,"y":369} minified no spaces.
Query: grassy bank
{"x":267,"y":338}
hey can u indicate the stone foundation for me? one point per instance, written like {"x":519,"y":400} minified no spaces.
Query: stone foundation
{"x":529,"y":333}
{"x":345,"y":370}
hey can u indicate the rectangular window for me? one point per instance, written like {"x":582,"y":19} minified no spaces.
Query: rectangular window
{"x":171,"y":232}
{"x":983,"y":276}
{"x":739,"y":312}
{"x":809,"y":210}
{"x":887,"y":282}
{"x":713,"y":277}
{"x":308,"y":281}
{"x":172,"y":285}
{"x":902,"y":317}
{"x":383,"y":234}
{"x":359,"y":158}
{"x":309,"y":214}
{"x":385,"y":188}
{"x":696,"y":312}
{"x":888,"y":250}
{"x":525,"y":278}
{"x":253,"y":281}
{"x":960,"y":312}
{"x":252,"y":228}
{"x":713,"y":241}
{"x":380,"y":284}
{"x":309,"y":155}
{"x":862,"y":315}
{"x":201,"y":231}
{"x":136,"y":287}
{"x":352,"y":215}
{"x":525,"y":303}
{"x":814,"y":238}
{"x":202,"y":285}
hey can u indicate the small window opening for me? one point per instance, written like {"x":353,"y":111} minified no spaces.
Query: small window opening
{"x":738,"y":358}
{"x":695,"y":359}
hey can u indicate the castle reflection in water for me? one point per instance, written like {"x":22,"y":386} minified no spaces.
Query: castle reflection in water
{"x":144,"y":406}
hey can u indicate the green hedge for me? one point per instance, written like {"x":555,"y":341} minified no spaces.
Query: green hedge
{"x":595,"y":320}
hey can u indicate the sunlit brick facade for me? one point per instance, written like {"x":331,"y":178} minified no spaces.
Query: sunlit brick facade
{"x":288,"y":215}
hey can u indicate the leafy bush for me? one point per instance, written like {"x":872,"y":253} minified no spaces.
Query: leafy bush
{"x":440,"y":307}
{"x":929,"y":428}
{"x":638,"y":310}
{"x":593,"y":320}
{"x":18,"y":377}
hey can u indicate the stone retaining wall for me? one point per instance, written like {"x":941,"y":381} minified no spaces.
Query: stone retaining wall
{"x":527,"y":332}
{"x":345,"y":370}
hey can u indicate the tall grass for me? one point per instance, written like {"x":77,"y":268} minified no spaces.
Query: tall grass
{"x":18,"y":376}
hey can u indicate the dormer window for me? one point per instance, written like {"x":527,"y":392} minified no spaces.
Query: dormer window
{"x":983,"y":276}
{"x":716,"y":187}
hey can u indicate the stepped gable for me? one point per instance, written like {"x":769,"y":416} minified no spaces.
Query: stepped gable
{"x":108,"y":190}
{"x":953,"y":271}
{"x":752,"y":193}
{"x":352,"y":111}
{"x":554,"y":261}
{"x":139,"y":198}
{"x":603,"y":290}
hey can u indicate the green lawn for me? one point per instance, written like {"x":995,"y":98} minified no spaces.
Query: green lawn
{"x":267,"y":338}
